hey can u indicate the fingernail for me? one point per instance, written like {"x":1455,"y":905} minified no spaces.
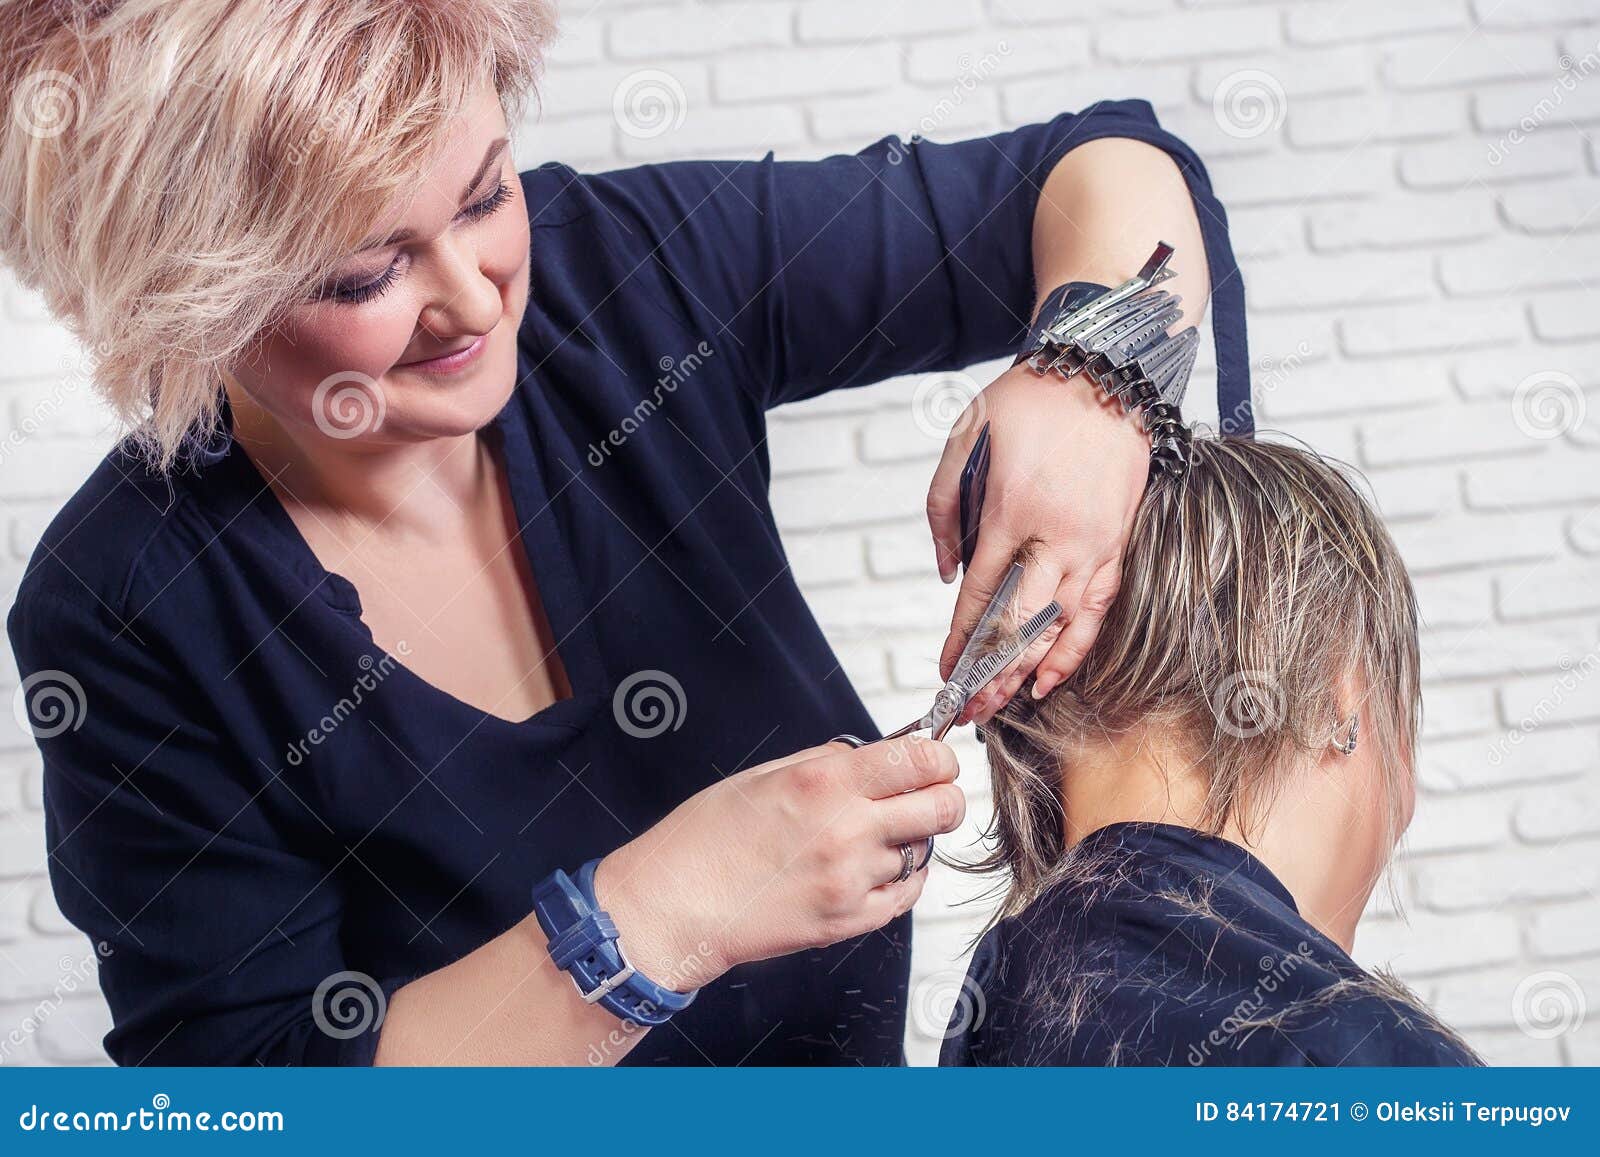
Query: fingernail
{"x":1042,"y":686}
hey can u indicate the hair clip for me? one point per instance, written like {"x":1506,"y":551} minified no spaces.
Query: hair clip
{"x":1120,"y":339}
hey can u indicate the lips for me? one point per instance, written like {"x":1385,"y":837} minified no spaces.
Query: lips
{"x":450,"y":362}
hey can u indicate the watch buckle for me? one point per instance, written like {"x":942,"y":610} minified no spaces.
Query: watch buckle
{"x":610,"y":983}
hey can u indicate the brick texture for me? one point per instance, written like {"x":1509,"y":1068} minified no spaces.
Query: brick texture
{"x":1416,"y":217}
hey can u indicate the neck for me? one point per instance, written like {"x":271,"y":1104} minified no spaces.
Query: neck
{"x":1303,"y":840}
{"x":400,"y":485}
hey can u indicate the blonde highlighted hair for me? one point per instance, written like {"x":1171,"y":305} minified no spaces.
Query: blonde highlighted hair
{"x":1257,"y":591}
{"x":175,"y":173}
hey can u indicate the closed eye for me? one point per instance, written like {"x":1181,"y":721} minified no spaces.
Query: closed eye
{"x":365,"y":291}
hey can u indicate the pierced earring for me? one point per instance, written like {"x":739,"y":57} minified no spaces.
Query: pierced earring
{"x":1346,"y":744}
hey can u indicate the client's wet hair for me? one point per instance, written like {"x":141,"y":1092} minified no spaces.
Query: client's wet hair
{"x":1262,"y":604}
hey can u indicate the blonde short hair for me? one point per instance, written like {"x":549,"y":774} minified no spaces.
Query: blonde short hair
{"x":1255,"y":591}
{"x":175,"y":173}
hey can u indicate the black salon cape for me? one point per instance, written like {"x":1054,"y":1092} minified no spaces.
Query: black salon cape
{"x":1172,"y":947}
{"x":257,"y":803}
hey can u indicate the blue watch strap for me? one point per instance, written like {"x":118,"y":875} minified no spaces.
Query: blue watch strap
{"x":583,"y":942}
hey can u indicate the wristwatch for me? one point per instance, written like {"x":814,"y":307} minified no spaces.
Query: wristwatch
{"x":583,"y":942}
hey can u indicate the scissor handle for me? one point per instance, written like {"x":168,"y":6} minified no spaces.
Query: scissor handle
{"x":857,"y":741}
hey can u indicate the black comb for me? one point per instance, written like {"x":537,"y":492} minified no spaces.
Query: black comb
{"x":974,"y":484}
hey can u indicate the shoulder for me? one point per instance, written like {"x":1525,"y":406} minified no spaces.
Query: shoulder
{"x":111,"y":537}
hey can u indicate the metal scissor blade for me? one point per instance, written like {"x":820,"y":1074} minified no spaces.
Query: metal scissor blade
{"x":956,"y":694}
{"x":998,"y":660}
{"x":984,"y":628}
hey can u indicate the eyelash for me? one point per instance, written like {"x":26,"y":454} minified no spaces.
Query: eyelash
{"x":356,"y":294}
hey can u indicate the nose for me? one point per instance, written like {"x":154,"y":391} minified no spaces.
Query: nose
{"x":465,"y":300}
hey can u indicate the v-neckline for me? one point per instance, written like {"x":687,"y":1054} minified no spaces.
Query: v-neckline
{"x":542,"y":543}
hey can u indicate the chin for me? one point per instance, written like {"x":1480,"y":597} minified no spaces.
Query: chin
{"x":421,"y":407}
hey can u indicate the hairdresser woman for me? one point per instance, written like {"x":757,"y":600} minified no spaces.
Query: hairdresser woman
{"x":440,"y":563}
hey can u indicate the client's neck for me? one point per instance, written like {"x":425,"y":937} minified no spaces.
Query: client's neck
{"x":1314,"y":839}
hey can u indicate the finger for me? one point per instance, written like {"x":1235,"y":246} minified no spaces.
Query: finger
{"x":916,"y":815}
{"x":1069,"y":594}
{"x":944,"y":495}
{"x":889,"y":900}
{"x":884,"y":864}
{"x":802,"y":755}
{"x":990,"y":565}
{"x":882,"y":770}
{"x":1041,"y":582}
{"x":1069,"y":651}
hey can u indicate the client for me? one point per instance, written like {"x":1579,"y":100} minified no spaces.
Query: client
{"x":1191,"y":825}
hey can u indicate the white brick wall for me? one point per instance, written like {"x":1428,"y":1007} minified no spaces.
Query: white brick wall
{"x":1416,"y":216}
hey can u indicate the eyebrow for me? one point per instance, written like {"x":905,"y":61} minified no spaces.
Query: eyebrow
{"x":496,"y":147}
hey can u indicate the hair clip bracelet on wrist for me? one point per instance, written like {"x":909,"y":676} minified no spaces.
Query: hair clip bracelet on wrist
{"x":1121,"y":340}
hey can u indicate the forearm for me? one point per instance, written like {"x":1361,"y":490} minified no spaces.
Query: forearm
{"x":504,"y":1004}
{"x":1102,"y":210}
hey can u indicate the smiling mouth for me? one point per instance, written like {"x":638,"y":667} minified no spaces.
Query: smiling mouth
{"x":450,"y":361}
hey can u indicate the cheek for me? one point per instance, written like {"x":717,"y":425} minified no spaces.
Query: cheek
{"x":503,"y":255}
{"x":323,"y":340}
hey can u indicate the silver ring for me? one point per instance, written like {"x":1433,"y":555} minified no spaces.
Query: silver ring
{"x":908,"y":862}
{"x":851,"y":740}
{"x":927,"y":856}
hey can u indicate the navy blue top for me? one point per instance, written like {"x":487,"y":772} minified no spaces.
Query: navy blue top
{"x":257,"y":799}
{"x":1171,"y":947}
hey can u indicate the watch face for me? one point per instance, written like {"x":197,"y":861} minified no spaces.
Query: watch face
{"x":974,"y":483}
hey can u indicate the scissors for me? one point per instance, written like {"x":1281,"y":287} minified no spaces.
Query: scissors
{"x":978,"y":664}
